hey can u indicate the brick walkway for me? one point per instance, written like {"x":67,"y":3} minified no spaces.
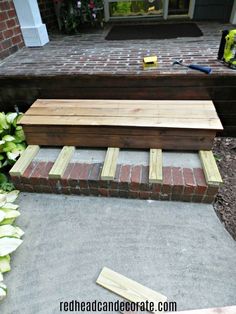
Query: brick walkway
{"x":90,"y":53}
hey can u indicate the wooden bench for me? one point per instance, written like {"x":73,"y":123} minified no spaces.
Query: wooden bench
{"x":176,"y":125}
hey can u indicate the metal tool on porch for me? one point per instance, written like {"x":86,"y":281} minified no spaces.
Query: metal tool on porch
{"x":204,"y":69}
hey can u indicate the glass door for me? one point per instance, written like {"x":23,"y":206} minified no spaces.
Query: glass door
{"x":178,"y":7}
{"x":135,"y":8}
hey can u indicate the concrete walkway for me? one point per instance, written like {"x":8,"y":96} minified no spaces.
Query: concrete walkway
{"x":178,"y":249}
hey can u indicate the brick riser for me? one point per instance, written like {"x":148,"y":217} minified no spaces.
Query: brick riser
{"x":130,"y":182}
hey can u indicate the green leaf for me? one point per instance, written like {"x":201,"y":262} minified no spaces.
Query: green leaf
{"x":1,"y":277}
{"x":10,"y":213}
{"x":3,"y":291}
{"x":11,"y":116}
{"x":8,"y":221}
{"x":10,"y":231}
{"x":13,"y":156}
{"x":2,"y":216}
{"x":5,"y":264}
{"x":12,"y":196}
{"x":3,"y":121}
{"x":9,"y":146}
{"x":3,"y":200}
{"x":8,"y":138}
{"x":9,"y":245}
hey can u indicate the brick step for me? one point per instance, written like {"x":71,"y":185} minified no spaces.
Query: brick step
{"x":131,"y":179}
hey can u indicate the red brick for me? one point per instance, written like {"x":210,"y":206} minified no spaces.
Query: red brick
{"x":124,"y":193}
{"x":4,"y":5}
{"x":133,"y":194}
{"x":16,"y":40}
{"x":11,"y":13}
{"x":17,"y":30}
{"x":66,"y":190}
{"x":84,"y":175}
{"x":156,"y":187}
{"x":8,"y":33}
{"x":28,"y":188}
{"x":135,"y":178}
{"x":44,"y":173}
{"x":11,"y":23}
{"x":103,"y":192}
{"x":178,"y":182}
{"x":75,"y":190}
{"x":144,"y":182}
{"x":74,"y":176}
{"x":114,"y":184}
{"x":3,"y":26}
{"x":66,"y":175}
{"x":209,"y":199}
{"x":197,"y":198}
{"x":189,"y":181}
{"x":144,"y":195}
{"x":186,"y":198}
{"x":35,"y":177}
{"x":15,"y":179}
{"x":94,"y":175}
{"x":155,"y":196}
{"x":125,"y":172}
{"x":114,"y":193}
{"x":212,"y":190}
{"x":6,"y":44}
{"x":167,"y":181}
{"x":3,"y":16}
{"x":45,"y":189}
{"x":200,"y":181}
{"x":27,"y":173}
{"x":94,"y":191}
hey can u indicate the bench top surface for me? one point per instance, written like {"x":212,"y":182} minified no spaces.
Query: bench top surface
{"x":186,"y":114}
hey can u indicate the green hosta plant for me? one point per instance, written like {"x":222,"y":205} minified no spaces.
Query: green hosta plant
{"x":10,"y":235}
{"x":12,"y":138}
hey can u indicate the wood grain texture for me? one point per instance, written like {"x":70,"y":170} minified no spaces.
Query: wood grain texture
{"x":24,"y":160}
{"x":62,"y":162}
{"x":127,"y":288}
{"x":109,"y":166}
{"x":218,"y":310}
{"x":155,"y":166}
{"x":141,"y":140}
{"x":210,"y":168}
{"x":122,"y":123}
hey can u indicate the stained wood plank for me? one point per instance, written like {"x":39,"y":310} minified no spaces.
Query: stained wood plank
{"x":119,"y":103}
{"x":25,"y":159}
{"x":159,"y":122}
{"x":218,"y":310}
{"x":155,"y":166}
{"x":123,"y":141}
{"x":62,"y":162}
{"x":196,"y":113}
{"x":109,"y":166}
{"x":127,"y":288}
{"x":210,"y":168}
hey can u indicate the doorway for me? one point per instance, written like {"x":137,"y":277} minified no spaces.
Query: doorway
{"x":162,"y":9}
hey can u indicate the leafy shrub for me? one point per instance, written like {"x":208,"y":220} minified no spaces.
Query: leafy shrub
{"x":12,"y":139}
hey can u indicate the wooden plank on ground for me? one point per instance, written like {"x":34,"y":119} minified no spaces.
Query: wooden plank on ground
{"x":25,"y":159}
{"x":210,"y":168}
{"x":109,"y":166}
{"x":155,"y":166}
{"x":219,"y":310}
{"x":62,"y":162}
{"x":127,"y":288}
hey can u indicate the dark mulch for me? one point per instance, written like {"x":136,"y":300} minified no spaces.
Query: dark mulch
{"x":225,"y":204}
{"x":154,"y":31}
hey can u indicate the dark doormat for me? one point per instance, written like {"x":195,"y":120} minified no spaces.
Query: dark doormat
{"x":154,"y":31}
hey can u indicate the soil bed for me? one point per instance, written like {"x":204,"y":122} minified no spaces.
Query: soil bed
{"x":225,"y":204}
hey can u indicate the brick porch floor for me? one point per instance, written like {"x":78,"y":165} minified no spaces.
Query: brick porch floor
{"x":87,"y":66}
{"x":90,"y":53}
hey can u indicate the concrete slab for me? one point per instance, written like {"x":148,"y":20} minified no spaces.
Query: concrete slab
{"x":178,"y":249}
{"x":126,"y":156}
